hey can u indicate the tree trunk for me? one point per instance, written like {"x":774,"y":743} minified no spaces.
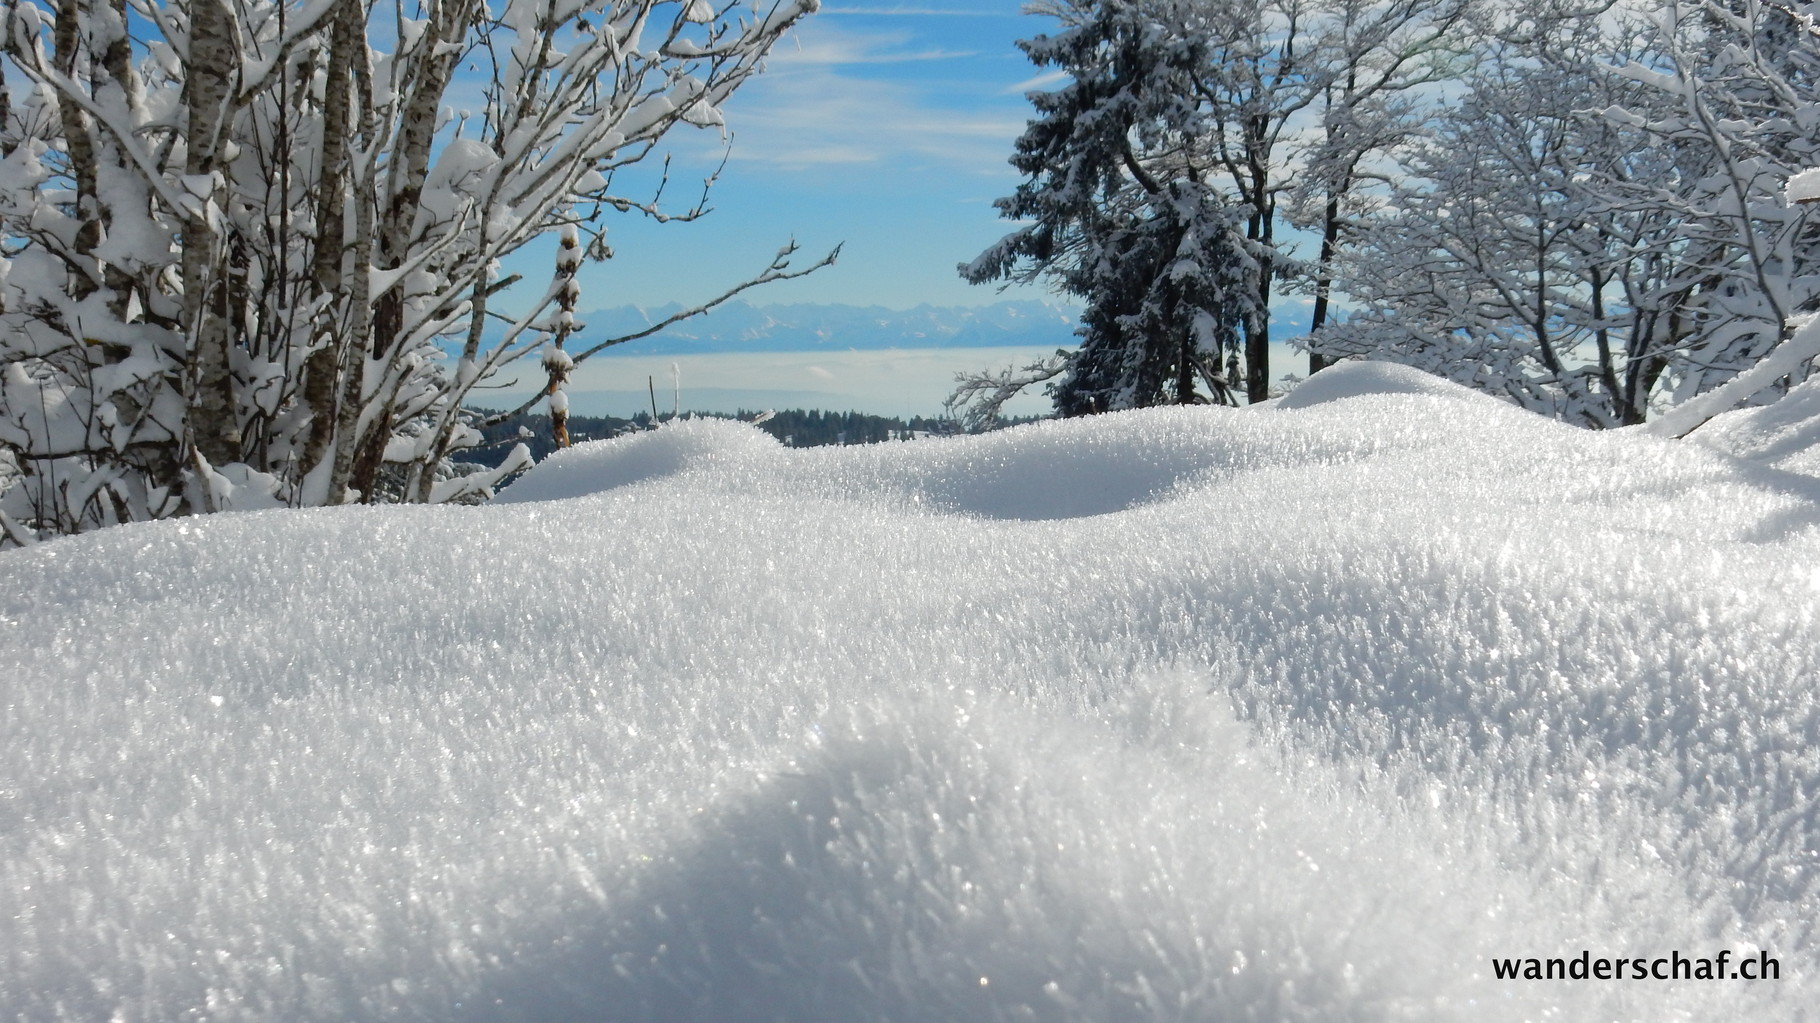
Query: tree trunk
{"x":212,"y":61}
{"x":1323,"y":286}
{"x":409,"y":162}
{"x":67,"y":36}
{"x":117,"y":69}
{"x":322,"y":369}
{"x":1262,"y":231}
{"x":351,"y":426}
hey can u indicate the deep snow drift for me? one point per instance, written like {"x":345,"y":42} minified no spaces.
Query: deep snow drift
{"x":1291,"y":713}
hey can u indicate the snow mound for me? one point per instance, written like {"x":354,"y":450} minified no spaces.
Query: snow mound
{"x":1298,"y":716}
{"x":1354,"y":379}
{"x":681,"y":447}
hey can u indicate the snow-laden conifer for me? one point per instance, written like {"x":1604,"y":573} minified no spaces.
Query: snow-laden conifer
{"x":1124,"y":213}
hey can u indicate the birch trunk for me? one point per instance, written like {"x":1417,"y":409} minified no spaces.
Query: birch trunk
{"x":322,"y":369}
{"x":213,"y":422}
{"x":67,"y":35}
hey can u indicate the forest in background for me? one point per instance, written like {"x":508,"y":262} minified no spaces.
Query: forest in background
{"x":1582,"y":208}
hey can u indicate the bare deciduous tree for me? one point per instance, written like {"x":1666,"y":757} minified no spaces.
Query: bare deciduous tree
{"x":252,"y":248}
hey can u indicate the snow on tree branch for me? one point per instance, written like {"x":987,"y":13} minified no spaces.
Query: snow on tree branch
{"x":259,"y":233}
{"x":978,"y":400}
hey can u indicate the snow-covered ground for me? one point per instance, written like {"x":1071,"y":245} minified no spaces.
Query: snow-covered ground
{"x":1293,"y":713}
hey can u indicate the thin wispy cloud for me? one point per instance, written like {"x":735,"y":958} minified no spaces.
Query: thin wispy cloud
{"x":831,"y":99}
{"x":1046,"y":80}
{"x":817,"y":117}
{"x":832,"y":47}
{"x":915,"y":12}
{"x":831,"y":55}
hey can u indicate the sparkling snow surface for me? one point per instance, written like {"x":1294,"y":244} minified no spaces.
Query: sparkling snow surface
{"x":1284,"y":714}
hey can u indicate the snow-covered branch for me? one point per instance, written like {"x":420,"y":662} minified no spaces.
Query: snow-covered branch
{"x":978,"y":400}
{"x":242,"y":234}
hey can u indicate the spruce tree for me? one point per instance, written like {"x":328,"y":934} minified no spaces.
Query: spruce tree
{"x":1121,"y":213}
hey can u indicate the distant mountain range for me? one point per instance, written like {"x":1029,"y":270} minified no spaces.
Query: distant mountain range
{"x":743,"y":327}
{"x":740,"y":326}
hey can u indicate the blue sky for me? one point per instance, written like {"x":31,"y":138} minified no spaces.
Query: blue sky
{"x":883,"y":125}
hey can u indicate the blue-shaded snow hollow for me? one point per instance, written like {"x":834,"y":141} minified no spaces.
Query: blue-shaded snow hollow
{"x":1292,"y":713}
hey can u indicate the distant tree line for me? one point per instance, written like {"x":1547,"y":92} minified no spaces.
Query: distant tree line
{"x":798,"y":428}
{"x":815,"y":428}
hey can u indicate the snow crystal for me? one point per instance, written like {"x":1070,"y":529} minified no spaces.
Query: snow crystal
{"x":1199,"y":713}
